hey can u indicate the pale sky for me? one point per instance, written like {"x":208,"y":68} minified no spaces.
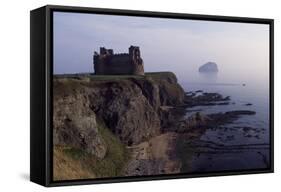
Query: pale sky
{"x":181,"y":46}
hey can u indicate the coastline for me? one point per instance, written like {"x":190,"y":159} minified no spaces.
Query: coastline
{"x":145,"y":116}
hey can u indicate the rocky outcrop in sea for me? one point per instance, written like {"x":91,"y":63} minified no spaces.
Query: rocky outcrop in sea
{"x":209,"y":67}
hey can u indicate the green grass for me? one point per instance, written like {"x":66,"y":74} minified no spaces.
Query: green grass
{"x":91,"y":76}
{"x":115,"y":77}
{"x":97,"y":77}
{"x":116,"y":156}
{"x":110,"y":166}
{"x":161,"y":74}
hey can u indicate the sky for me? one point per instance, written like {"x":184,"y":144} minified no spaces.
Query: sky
{"x":177,"y":45}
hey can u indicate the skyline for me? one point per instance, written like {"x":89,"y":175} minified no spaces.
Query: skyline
{"x":176,"y":45}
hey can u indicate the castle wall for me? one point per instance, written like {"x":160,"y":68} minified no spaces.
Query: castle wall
{"x":107,"y":63}
{"x":119,"y":65}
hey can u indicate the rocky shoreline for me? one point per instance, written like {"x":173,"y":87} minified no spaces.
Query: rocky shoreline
{"x":143,"y":116}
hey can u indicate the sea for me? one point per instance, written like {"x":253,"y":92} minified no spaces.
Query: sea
{"x":243,"y":144}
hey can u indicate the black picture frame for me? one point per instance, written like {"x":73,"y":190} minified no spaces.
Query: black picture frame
{"x":41,"y":70}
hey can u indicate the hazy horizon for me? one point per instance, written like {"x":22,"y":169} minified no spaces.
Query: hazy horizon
{"x":181,"y":46}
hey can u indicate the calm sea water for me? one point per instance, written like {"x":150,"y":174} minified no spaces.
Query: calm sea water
{"x":243,"y":144}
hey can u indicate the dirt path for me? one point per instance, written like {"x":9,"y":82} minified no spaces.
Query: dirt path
{"x":153,"y":156}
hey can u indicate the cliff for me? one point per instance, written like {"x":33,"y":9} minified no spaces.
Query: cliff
{"x":107,"y":126}
{"x":92,"y":112}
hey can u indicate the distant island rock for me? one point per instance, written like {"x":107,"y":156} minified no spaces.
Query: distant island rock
{"x":210,"y":67}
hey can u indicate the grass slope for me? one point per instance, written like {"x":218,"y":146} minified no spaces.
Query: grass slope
{"x":91,"y":76}
{"x":71,"y":163}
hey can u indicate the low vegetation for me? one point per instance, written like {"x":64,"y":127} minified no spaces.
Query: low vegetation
{"x":71,"y":163}
{"x":91,"y":76}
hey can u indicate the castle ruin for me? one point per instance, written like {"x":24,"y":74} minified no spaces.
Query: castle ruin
{"x":108,"y":63}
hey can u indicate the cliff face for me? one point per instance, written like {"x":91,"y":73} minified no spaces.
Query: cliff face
{"x":107,"y":126}
{"x":131,"y":107}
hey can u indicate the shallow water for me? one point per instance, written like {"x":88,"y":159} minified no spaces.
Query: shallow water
{"x":243,"y":144}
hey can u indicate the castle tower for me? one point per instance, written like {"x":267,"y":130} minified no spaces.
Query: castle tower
{"x":104,"y":51}
{"x":136,"y":60}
